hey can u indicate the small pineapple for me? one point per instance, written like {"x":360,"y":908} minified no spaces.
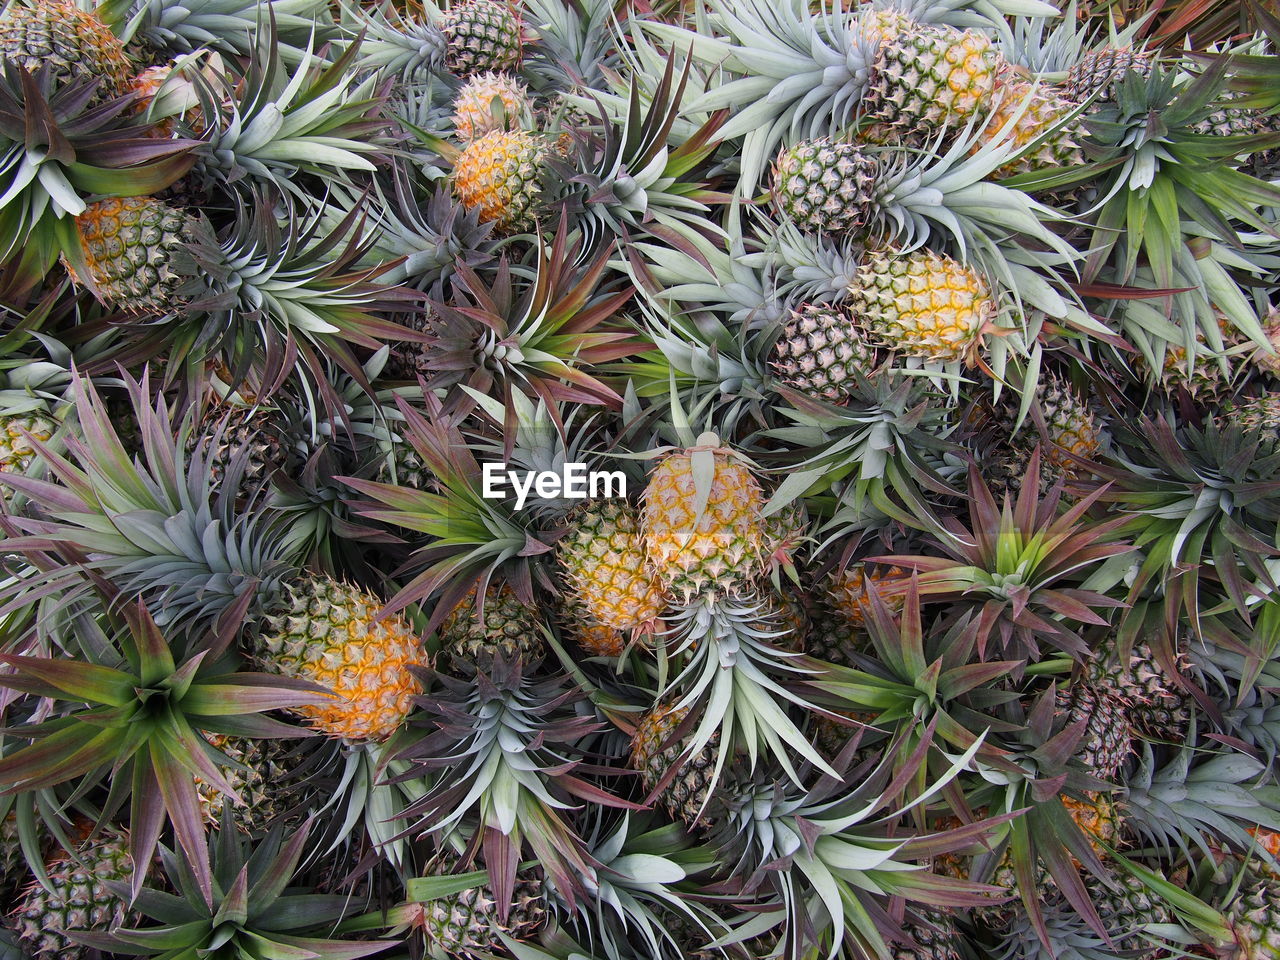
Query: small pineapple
{"x":489,"y":102}
{"x":135,"y":250}
{"x":1126,"y":908}
{"x":1253,"y":918}
{"x":655,"y":749}
{"x":934,"y":937}
{"x":1098,"y":817}
{"x":1042,"y":111}
{"x":1099,"y":70}
{"x":849,"y":591}
{"x":1070,"y":428}
{"x":71,"y":43}
{"x":923,"y":305}
{"x":927,"y":78}
{"x":328,"y":632}
{"x":1106,"y":742}
{"x":463,"y":924}
{"x":77,"y":899}
{"x":509,"y":630}
{"x":16,"y":432}
{"x":230,"y":430}
{"x":709,"y":553}
{"x":825,"y":186}
{"x":263,"y":778}
{"x":483,"y":35}
{"x":831,"y":636}
{"x":821,"y":352}
{"x":499,"y":175}
{"x":1157,"y":706}
{"x":604,"y":560}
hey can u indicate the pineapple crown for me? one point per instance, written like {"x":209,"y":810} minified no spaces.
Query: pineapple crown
{"x":256,"y":906}
{"x":472,"y":726}
{"x":154,"y":524}
{"x":285,"y":287}
{"x":1024,"y":565}
{"x":174,"y":27}
{"x":394,"y":45}
{"x":272,"y":123}
{"x":141,"y":706}
{"x":839,"y":836}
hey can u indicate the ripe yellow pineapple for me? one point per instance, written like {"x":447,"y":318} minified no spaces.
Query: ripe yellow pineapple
{"x":926,"y":78}
{"x":329,"y":633}
{"x":489,"y":102}
{"x":499,"y":174}
{"x":1041,"y":111}
{"x":604,"y":561}
{"x":923,"y":305}
{"x":701,"y":521}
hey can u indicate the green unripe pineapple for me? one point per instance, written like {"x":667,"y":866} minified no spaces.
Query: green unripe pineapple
{"x":821,"y":352}
{"x":77,"y":899}
{"x":825,"y":186}
{"x":1254,"y":920}
{"x":509,"y":630}
{"x":483,"y":35}
{"x":465,"y":924}
{"x":73,"y":44}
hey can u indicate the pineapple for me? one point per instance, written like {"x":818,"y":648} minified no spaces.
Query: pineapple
{"x":1070,"y":427}
{"x":499,"y":175}
{"x":929,"y":77}
{"x":1126,"y":907}
{"x":1208,"y":380}
{"x":604,"y":561}
{"x":483,"y":35}
{"x":831,"y":636}
{"x":923,"y":305}
{"x":1098,"y":72}
{"x":849,"y":590}
{"x":1098,"y":816}
{"x":592,"y":636}
{"x":1256,"y":413}
{"x":1041,"y":111}
{"x":509,"y":630}
{"x":135,"y":251}
{"x":1106,"y":742}
{"x":328,"y":632}
{"x":821,"y":352}
{"x":232,"y":429}
{"x":77,"y":899}
{"x":16,"y":432}
{"x":262,"y":778}
{"x":710,"y":551}
{"x":490,"y":102}
{"x":825,"y":186}
{"x":654,"y":751}
{"x":1253,"y":918}
{"x":72,"y":44}
{"x":463,"y":924}
{"x":1157,"y":706}
{"x":934,"y":937}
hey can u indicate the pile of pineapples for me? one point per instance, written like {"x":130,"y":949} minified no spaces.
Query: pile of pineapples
{"x":924,"y":602}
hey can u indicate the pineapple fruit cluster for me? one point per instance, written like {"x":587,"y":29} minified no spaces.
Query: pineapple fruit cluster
{"x":924,"y":361}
